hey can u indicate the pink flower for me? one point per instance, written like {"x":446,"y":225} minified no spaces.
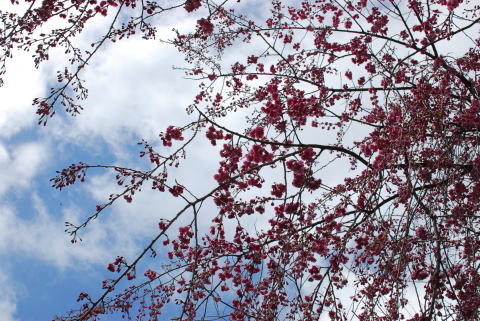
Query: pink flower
{"x":172,"y":133}
{"x":176,"y":190}
{"x":205,"y":26}
{"x":257,"y":133}
{"x":308,"y":154}
{"x":278,"y":190}
{"x":152,"y":275}
{"x":192,"y":5}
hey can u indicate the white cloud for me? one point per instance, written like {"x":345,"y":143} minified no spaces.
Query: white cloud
{"x":8,"y":301}
{"x":20,"y":165}
{"x":22,"y":84}
{"x":123,"y":230}
{"x":133,"y":94}
{"x":8,"y":297}
{"x":42,"y":237}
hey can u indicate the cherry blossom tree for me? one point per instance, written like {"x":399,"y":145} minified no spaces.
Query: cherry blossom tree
{"x":360,"y":150}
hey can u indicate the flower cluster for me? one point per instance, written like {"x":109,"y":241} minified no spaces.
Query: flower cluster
{"x":172,"y":133}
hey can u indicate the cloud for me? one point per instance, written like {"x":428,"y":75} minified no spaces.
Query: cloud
{"x":16,"y":110}
{"x":122,"y":230}
{"x":8,"y":300}
{"x":19,"y":164}
{"x":42,"y":237}
{"x":133,"y":93}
